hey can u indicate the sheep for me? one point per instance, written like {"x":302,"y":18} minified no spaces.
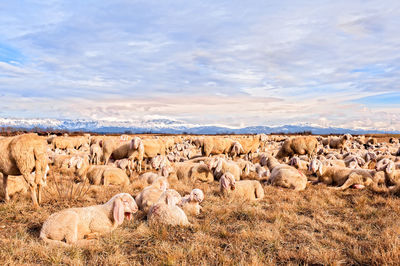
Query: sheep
{"x":250,"y":145}
{"x":392,"y":175}
{"x":120,"y":149}
{"x":338,"y":142}
{"x":159,"y":161}
{"x":236,"y":149}
{"x":153,"y":147}
{"x":62,"y":143}
{"x":124,"y":164}
{"x":298,"y":163}
{"x":21,"y":155}
{"x":150,"y":195}
{"x":216,"y":145}
{"x":96,"y":154}
{"x":15,"y":185}
{"x":191,"y":203}
{"x":75,"y":224}
{"x":106,"y":175}
{"x":244,"y":189}
{"x":221,"y":166}
{"x":166,"y":211}
{"x":285,"y":176}
{"x":298,"y":145}
{"x":346,"y":177}
{"x":149,"y":177}
{"x":191,"y":172}
{"x":262,"y":171}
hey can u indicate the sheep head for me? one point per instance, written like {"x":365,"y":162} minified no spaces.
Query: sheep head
{"x":227,"y":181}
{"x":135,"y":143}
{"x":197,"y":195}
{"x":123,"y":207}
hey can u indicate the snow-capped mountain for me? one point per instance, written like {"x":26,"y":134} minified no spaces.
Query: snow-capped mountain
{"x":167,"y":126}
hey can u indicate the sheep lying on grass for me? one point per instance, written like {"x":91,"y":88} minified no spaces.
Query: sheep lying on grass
{"x":166,"y":211}
{"x":191,"y":203}
{"x":75,"y":224}
{"x":285,"y":176}
{"x":244,"y":189}
{"x":150,"y":195}
{"x":347,"y":177}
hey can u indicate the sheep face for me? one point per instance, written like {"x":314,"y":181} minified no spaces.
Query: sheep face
{"x":315,"y":166}
{"x":390,"y":167}
{"x":295,"y":161}
{"x":227,"y":181}
{"x":135,"y":143}
{"x":197,"y":195}
{"x":124,"y":206}
{"x":170,"y":197}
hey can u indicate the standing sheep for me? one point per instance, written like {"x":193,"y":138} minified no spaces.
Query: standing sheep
{"x":298,"y":145}
{"x":96,"y":154}
{"x":120,"y":149}
{"x":21,"y":155}
{"x":216,"y":145}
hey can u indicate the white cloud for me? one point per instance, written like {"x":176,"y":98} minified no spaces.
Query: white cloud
{"x":233,"y":63}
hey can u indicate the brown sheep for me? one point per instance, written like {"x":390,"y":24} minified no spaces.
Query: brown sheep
{"x":217,"y":145}
{"x":298,"y":145}
{"x":120,"y":149}
{"x":22,"y":155}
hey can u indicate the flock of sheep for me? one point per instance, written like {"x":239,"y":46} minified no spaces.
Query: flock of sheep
{"x":240,"y":165}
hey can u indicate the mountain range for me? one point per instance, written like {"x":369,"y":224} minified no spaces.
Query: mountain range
{"x":167,"y":126}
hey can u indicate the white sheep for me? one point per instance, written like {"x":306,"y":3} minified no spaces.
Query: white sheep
{"x":150,"y":195}
{"x":244,"y":189}
{"x":285,"y":176}
{"x":20,"y":155}
{"x":166,"y":211}
{"x":191,"y":203}
{"x":75,"y":224}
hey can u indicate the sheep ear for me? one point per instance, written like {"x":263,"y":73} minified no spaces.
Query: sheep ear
{"x":164,"y":171}
{"x":118,"y":211}
{"x":320,"y":169}
{"x":247,"y":170}
{"x":224,"y":182}
{"x":171,"y":200}
{"x":79,"y":164}
{"x":101,"y":143}
{"x":353,"y":164}
{"x":132,"y":144}
{"x":164,"y":186}
{"x":192,"y":196}
{"x":219,"y":165}
{"x":389,"y":168}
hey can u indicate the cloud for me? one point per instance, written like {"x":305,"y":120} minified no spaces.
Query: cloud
{"x":233,"y":63}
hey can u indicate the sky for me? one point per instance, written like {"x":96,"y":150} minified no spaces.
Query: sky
{"x":232,"y":63}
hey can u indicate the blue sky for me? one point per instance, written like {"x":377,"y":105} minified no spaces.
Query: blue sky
{"x":234,"y":63}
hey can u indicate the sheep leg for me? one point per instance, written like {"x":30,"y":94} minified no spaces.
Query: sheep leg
{"x":93,"y":235}
{"x":5,"y":180}
{"x":39,"y":193}
{"x":351,"y":180}
{"x":32,"y":188}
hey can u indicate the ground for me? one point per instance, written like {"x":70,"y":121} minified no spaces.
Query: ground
{"x":317,"y":226}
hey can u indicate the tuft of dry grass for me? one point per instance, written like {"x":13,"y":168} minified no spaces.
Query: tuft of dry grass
{"x":317,"y":226}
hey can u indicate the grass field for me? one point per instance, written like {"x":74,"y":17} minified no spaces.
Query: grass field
{"x":316,"y":226}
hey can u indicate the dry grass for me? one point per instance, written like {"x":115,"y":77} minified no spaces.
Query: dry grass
{"x":317,"y":226}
